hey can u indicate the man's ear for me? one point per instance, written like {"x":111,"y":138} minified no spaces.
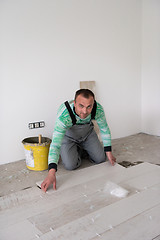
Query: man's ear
{"x":74,"y":103}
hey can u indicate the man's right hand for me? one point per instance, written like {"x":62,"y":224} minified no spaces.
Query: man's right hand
{"x":50,"y":179}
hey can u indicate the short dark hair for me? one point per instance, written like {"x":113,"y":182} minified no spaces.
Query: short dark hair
{"x":86,"y":93}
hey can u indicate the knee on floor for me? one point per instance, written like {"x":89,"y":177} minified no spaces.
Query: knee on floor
{"x":71,"y":165}
{"x":100,"y":159}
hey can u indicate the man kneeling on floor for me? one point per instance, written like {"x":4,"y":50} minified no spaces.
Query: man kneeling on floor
{"x":74,"y":133}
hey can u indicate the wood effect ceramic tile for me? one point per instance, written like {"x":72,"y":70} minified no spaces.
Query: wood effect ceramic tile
{"x":126,"y":175}
{"x":81,"y":229}
{"x":126,"y":208}
{"x":42,"y":203}
{"x":18,"y":212}
{"x":142,"y":168}
{"x":116,"y":173}
{"x":15,"y":199}
{"x":157,"y":237}
{"x":21,"y":230}
{"x":107,"y":218}
{"x":85,"y":186}
{"x":146,"y":180}
{"x":111,"y":173}
{"x":145,"y":226}
{"x":83,"y":175}
{"x":71,"y":211}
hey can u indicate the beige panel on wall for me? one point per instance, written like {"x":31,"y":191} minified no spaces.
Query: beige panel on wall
{"x":91,"y":85}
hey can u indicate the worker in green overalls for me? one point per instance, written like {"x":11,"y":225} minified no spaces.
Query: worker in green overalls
{"x":74,"y":133}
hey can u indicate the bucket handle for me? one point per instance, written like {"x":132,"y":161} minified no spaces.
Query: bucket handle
{"x":40,"y":139}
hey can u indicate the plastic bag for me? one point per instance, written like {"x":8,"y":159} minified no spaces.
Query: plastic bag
{"x":115,"y":190}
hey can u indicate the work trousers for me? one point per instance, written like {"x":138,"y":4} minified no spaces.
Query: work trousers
{"x":78,"y":138}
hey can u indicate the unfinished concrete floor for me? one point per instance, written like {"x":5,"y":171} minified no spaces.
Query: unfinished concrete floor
{"x":84,"y":207}
{"x":140,"y":147}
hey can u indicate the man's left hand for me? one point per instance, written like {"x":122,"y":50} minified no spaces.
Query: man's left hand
{"x":111,"y":158}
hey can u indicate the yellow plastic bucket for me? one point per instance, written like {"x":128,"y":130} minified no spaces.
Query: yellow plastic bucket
{"x":36,"y":152}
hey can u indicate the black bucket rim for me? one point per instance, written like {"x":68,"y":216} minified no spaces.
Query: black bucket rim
{"x":34,"y":141}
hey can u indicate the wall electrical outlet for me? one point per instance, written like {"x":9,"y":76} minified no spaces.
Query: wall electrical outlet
{"x":36,"y":125}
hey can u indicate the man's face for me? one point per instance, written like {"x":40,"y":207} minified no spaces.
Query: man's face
{"x":83,"y":106}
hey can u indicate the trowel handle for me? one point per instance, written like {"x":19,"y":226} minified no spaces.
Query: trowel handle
{"x":40,"y":139}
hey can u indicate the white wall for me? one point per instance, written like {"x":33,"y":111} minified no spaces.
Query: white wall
{"x":151,"y":67}
{"x":48,"y":47}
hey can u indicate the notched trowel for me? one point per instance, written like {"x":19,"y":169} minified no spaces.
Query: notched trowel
{"x":50,"y":188}
{"x":39,"y":184}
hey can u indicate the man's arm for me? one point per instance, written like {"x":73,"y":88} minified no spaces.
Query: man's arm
{"x":105,"y":133}
{"x":103,"y":127}
{"x":53,"y":157}
{"x":63,"y":122}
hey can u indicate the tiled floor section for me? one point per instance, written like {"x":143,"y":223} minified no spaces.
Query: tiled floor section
{"x":15,"y":177}
{"x":83,"y":208}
